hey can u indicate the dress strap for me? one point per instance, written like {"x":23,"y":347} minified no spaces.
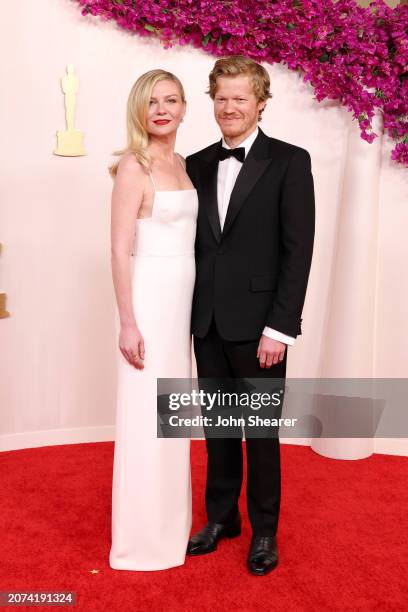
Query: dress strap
{"x":153,"y":183}
{"x":179,"y":158}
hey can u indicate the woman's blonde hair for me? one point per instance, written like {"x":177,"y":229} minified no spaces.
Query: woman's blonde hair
{"x":237,"y":65}
{"x":136,"y":115}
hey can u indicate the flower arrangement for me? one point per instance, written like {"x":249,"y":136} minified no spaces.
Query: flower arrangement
{"x":356,"y":55}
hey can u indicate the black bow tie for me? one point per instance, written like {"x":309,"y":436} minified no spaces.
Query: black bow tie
{"x":238,"y":153}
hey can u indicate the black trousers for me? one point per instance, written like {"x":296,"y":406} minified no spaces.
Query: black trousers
{"x":218,"y":358}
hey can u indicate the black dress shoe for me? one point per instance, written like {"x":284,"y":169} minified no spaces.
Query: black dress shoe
{"x":205,"y":541}
{"x":263,"y":555}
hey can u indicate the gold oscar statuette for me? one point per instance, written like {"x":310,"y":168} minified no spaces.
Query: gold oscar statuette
{"x":70,"y":141}
{"x":3,"y":296}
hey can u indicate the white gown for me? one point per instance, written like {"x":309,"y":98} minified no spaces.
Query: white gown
{"x":151,"y":488}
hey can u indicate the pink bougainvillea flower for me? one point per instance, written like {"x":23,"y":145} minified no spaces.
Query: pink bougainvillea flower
{"x":356,"y":55}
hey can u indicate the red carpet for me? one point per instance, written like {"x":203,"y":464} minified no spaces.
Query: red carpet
{"x":342,"y":537}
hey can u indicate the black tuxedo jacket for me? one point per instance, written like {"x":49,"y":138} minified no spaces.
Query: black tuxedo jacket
{"x":255,"y":272}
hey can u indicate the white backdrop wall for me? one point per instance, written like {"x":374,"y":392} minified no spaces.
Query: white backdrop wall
{"x":58,"y":349}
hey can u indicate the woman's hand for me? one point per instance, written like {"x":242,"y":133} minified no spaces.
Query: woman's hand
{"x":131,"y":345}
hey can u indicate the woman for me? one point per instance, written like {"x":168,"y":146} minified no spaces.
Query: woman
{"x":154,"y":211}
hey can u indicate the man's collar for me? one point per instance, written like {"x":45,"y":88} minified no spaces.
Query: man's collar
{"x":247,"y":143}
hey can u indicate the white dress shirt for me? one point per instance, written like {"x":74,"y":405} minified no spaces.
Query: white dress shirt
{"x":228,"y":170}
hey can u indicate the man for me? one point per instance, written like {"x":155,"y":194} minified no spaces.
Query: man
{"x":254,"y":244}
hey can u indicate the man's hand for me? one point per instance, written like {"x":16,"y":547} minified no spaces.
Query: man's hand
{"x":270,"y":352}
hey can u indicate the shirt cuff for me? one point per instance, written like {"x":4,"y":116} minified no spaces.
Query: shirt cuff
{"x":276,"y":335}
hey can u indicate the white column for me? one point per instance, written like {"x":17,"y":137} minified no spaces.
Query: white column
{"x":349,"y":343}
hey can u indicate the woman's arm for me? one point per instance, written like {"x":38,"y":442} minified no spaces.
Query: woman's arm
{"x":127,"y":196}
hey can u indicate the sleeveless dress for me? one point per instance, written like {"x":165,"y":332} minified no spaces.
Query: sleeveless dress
{"x":151,"y":487}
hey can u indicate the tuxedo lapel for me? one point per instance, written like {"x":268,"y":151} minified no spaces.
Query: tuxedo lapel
{"x":255,"y":164}
{"x":208,"y":179}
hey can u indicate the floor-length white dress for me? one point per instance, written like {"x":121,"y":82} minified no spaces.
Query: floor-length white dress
{"x":151,"y":489}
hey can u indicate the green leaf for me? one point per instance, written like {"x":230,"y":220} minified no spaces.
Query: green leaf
{"x":206,"y":39}
{"x":149,"y":27}
{"x":290,"y":26}
{"x":324,"y":58}
{"x":219,"y":41}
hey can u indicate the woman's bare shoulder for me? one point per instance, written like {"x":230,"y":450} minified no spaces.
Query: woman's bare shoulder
{"x":129,"y":166}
